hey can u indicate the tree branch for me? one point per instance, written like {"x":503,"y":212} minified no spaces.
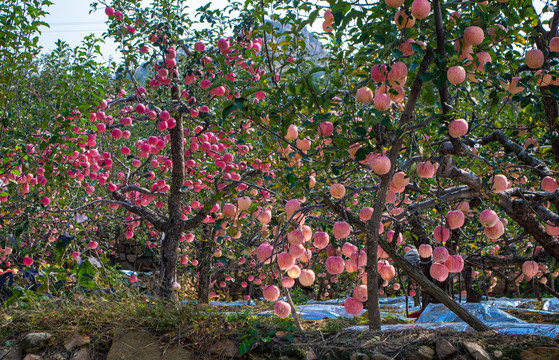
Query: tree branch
{"x":511,"y":147}
{"x":141,"y":190}
{"x":158,"y":222}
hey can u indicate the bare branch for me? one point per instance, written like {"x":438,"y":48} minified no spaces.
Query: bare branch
{"x":141,"y":190}
{"x":511,"y":147}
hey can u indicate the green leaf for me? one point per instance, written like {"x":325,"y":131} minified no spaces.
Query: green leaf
{"x":426,"y":77}
{"x":339,"y":9}
{"x":246,"y":345}
{"x":291,"y":179}
{"x":379,"y":39}
{"x":317,"y":69}
{"x":361,"y":154}
{"x":417,"y":48}
{"x":228,"y":110}
{"x":251,"y":91}
{"x":86,"y":273}
{"x":60,"y":247}
{"x":312,"y":16}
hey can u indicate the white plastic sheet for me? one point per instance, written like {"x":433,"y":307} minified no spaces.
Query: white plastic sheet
{"x":502,"y":328}
{"x":438,"y":313}
{"x":321,"y":311}
{"x":551,"y":305}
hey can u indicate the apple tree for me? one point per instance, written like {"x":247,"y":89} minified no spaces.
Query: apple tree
{"x":421,"y":123}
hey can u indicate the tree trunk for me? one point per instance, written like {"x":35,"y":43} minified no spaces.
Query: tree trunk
{"x":293,"y":311}
{"x":204,"y":278}
{"x":236,"y":289}
{"x":320,"y":289}
{"x":537,"y":292}
{"x":472,"y":296}
{"x":169,"y":256}
{"x":175,"y":225}
{"x":372,"y":281}
{"x":425,"y":266}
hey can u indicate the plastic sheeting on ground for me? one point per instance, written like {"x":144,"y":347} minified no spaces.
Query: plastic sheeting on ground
{"x":434,"y":317}
{"x":437,"y":316}
{"x":395,"y":306}
{"x":223,"y":303}
{"x":551,"y":305}
{"x":502,"y":328}
{"x":437,"y":313}
{"x":130,"y":273}
{"x":317,"y":311}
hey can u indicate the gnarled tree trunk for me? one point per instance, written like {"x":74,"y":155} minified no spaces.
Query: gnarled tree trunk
{"x":175,"y":225}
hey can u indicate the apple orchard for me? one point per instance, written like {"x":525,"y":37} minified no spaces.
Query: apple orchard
{"x":410,"y":147}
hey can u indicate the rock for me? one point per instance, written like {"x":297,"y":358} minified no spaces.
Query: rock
{"x":13,"y":353}
{"x":76,"y":341}
{"x":476,"y":350}
{"x":540,"y":353}
{"x":445,"y":350}
{"x":32,"y":357}
{"x":34,"y":342}
{"x":359,"y":356}
{"x":176,"y":353}
{"x":57,"y":356}
{"x":141,"y":345}
{"x":82,"y":354}
{"x":497,"y":353}
{"x":310,"y":355}
{"x":135,"y":345}
{"x":377,"y":356}
{"x":423,"y":352}
{"x":225,"y":348}
{"x":426,"y":352}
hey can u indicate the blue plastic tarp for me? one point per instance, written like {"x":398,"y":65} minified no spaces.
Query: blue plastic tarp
{"x":437,"y":313}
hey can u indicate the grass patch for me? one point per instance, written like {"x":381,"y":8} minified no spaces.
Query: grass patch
{"x":98,"y":316}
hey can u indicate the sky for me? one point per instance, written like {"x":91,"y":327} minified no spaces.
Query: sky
{"x":71,"y":21}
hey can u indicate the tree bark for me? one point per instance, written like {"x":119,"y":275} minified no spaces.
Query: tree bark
{"x":205,"y":248}
{"x":521,"y":212}
{"x":204,"y":279}
{"x":373,"y":307}
{"x":424,"y":266}
{"x":175,"y":225}
{"x":472,"y":296}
